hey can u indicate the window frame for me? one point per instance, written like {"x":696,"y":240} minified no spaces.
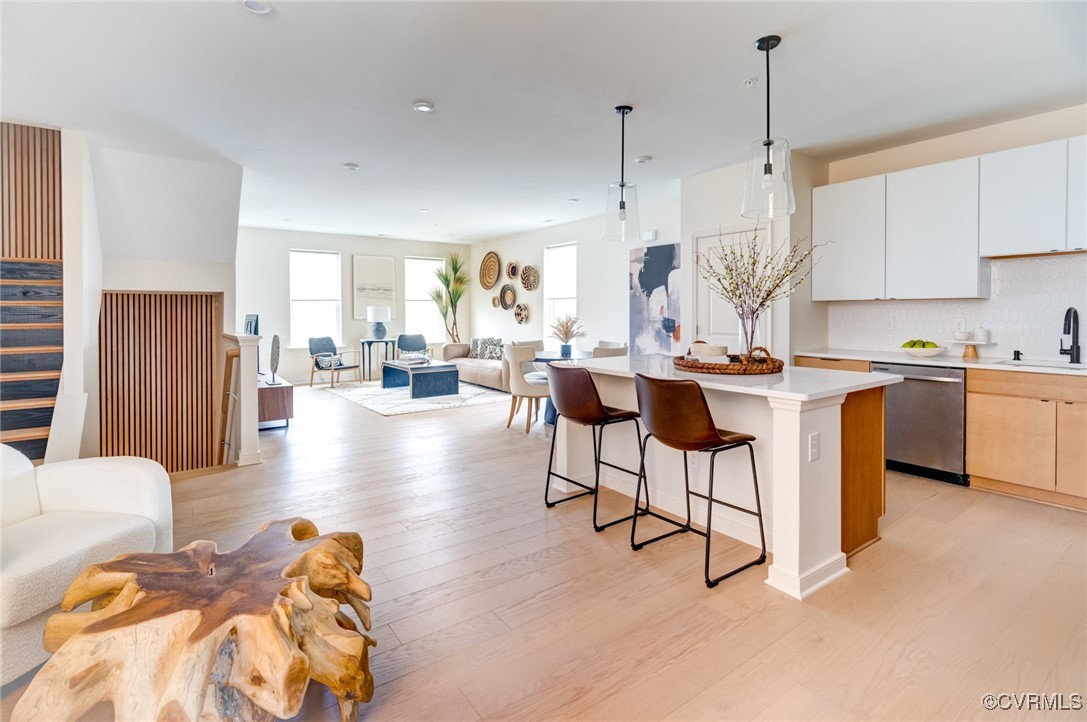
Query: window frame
{"x":337,"y":337}
{"x":408,"y":300}
{"x":548,"y":315}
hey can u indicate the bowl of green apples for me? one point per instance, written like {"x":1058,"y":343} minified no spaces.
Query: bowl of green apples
{"x":921,"y":348}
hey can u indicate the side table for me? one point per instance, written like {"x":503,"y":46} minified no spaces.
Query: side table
{"x":274,"y":403}
{"x":367,"y":347}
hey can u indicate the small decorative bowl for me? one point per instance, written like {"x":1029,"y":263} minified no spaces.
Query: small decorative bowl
{"x":923,"y":352}
{"x":962,"y":335}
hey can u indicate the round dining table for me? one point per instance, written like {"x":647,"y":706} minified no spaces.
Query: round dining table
{"x":550,"y":414}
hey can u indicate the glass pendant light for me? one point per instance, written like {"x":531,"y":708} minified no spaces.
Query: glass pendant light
{"x":768,"y":186}
{"x":621,"y":213}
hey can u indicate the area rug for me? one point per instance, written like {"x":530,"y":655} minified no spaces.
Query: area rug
{"x":393,"y":402}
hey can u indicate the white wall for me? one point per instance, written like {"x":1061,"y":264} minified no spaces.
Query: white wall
{"x":263,"y":278}
{"x":602,"y":277}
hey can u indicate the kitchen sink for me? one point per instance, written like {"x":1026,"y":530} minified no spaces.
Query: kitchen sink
{"x":1042,"y":364}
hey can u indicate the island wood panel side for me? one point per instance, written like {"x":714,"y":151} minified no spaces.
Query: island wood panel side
{"x":863,"y":456}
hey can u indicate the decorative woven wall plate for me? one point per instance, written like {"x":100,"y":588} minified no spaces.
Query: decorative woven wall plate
{"x":495,"y":302}
{"x":530,"y":278}
{"x":512,"y":269}
{"x":508,"y":297}
{"x":489,"y":270}
{"x":520,"y":312}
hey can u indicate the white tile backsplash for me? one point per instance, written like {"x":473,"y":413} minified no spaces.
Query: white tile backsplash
{"x":1025,"y":312}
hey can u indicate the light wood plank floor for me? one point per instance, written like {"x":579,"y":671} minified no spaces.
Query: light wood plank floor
{"x":488,"y":605}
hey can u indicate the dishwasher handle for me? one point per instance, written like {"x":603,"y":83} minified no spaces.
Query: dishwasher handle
{"x":911,"y":377}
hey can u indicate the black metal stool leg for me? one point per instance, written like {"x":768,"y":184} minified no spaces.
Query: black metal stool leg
{"x":598,"y":450}
{"x":550,"y":473}
{"x":710,"y":501}
{"x":682,"y":528}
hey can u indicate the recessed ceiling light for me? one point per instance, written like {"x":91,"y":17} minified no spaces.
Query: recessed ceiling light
{"x":287,"y":220}
{"x":571,"y":200}
{"x":257,"y":6}
{"x":424,"y":210}
{"x":350,"y":166}
{"x":546,"y":220}
{"x":643,"y":159}
{"x":423,"y":106}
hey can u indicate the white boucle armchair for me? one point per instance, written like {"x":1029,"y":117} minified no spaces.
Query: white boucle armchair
{"x":57,"y":520}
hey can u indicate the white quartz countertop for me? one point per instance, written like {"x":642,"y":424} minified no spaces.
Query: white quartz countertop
{"x":798,"y":384}
{"x":953,"y":360}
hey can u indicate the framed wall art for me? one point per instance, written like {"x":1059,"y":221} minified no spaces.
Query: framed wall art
{"x":374,"y":283}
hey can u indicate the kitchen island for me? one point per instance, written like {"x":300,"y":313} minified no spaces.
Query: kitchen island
{"x":796,"y":416}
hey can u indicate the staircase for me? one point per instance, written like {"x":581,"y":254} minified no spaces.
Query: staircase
{"x":31,"y":351}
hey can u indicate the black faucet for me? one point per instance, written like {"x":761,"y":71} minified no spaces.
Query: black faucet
{"x":1071,"y":326}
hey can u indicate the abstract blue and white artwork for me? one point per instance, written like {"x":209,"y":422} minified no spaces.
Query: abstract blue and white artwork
{"x":654,"y":300}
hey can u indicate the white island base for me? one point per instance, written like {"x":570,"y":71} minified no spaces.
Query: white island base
{"x":796,"y":416}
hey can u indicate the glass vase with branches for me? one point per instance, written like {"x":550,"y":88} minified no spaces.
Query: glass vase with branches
{"x":750,"y":274}
{"x":454,"y":280}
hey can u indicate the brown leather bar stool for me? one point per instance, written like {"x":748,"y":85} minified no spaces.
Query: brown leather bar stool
{"x":577,"y":400}
{"x":676,"y":414}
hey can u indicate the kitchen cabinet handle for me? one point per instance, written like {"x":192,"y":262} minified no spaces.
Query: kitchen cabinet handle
{"x":940,"y":379}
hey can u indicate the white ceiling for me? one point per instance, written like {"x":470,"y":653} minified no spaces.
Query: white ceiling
{"x":524,"y":94}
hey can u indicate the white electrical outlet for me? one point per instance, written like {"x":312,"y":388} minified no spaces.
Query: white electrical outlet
{"x":694,"y":461}
{"x":889,"y":323}
{"x":813,"y":446}
{"x":960,"y":324}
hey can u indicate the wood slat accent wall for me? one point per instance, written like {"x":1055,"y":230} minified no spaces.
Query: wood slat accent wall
{"x":30,"y":193}
{"x":157,"y":369}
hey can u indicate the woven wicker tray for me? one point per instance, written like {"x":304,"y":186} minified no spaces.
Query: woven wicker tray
{"x":741,"y":366}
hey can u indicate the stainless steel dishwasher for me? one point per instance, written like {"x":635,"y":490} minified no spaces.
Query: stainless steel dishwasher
{"x":926,"y":421}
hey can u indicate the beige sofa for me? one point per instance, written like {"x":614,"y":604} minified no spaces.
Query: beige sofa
{"x":492,"y":373}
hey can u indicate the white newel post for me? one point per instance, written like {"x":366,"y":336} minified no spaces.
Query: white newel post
{"x":807,"y":519}
{"x":244,"y":430}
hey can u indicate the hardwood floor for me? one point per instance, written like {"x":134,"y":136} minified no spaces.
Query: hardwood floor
{"x":488,"y":605}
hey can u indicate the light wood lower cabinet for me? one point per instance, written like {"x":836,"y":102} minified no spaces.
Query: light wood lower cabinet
{"x":1011,"y":438}
{"x":838,"y":364}
{"x":1026,"y":434}
{"x":1072,"y":448}
{"x":863,"y":464}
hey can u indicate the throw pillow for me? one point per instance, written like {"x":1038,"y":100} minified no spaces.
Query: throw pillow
{"x":491,"y":348}
{"x":473,"y":348}
{"x":326,"y":362}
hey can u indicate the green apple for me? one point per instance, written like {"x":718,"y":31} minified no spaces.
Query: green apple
{"x":930,"y":344}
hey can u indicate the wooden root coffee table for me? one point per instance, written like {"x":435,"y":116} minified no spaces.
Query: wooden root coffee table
{"x":198,"y":635}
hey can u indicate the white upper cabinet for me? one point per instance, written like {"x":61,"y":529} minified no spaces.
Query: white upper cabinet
{"x":1024,"y":200}
{"x":849,"y":218}
{"x":932,"y":232}
{"x":1077,"y":194}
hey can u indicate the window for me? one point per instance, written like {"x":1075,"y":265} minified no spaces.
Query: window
{"x":560,"y":284}
{"x":315,"y":296}
{"x":420,"y":312}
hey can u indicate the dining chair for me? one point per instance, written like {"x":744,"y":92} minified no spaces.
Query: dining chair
{"x":532,"y":386}
{"x":676,"y":414}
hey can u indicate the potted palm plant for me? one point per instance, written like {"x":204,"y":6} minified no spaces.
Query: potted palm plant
{"x":454,"y":279}
{"x":566,"y":328}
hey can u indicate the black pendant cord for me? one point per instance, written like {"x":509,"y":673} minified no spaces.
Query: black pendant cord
{"x":623,"y":111}
{"x":769,"y":169}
